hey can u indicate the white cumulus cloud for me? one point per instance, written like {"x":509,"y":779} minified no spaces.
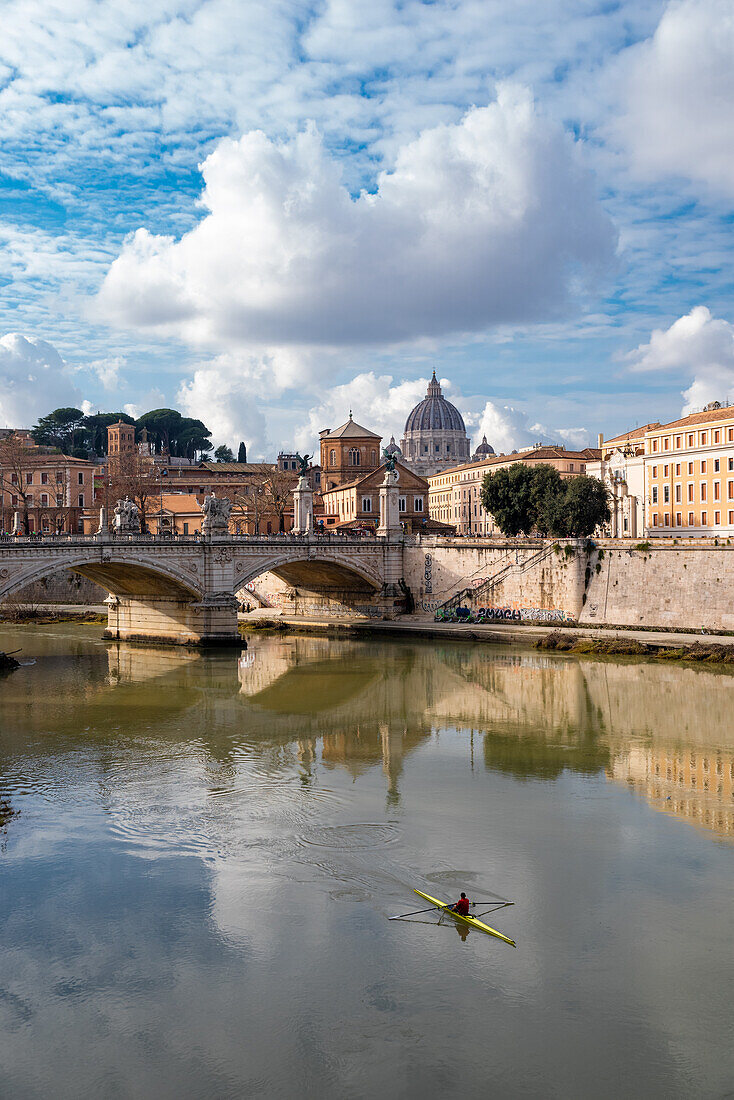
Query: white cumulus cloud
{"x":33,"y":381}
{"x":486,"y":221}
{"x":378,"y":402}
{"x":680,"y":96}
{"x":701,"y":346}
{"x":508,"y":429}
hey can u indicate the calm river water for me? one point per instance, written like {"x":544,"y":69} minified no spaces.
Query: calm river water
{"x":199,"y":854}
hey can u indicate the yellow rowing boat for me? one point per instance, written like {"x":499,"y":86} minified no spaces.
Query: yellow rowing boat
{"x":472,"y":922}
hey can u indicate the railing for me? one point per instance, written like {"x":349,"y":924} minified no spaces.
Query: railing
{"x":164,"y":540}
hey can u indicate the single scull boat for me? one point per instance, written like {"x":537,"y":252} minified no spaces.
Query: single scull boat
{"x":471,"y":921}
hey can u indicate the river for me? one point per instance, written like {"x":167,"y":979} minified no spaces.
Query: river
{"x":199,"y":853}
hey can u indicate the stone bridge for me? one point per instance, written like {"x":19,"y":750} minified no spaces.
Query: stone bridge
{"x":181,"y":590}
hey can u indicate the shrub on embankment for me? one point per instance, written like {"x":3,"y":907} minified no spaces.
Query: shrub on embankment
{"x":711,"y":652}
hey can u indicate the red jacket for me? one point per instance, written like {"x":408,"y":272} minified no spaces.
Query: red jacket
{"x":462,"y":907}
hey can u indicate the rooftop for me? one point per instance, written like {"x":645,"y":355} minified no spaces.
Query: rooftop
{"x":351,"y":430}
{"x":707,"y":416}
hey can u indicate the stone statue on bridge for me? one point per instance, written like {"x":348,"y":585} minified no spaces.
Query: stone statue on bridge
{"x":304,"y":461}
{"x":216,"y":511}
{"x":127,"y":517}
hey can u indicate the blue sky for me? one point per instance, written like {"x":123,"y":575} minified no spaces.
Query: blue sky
{"x":264,"y":212}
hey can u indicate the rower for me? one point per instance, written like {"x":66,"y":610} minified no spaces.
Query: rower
{"x":462,"y":906}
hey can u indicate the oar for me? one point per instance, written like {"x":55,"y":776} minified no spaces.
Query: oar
{"x":415,"y":912}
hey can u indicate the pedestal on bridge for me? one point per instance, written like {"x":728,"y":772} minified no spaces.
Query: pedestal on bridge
{"x":389,"y":508}
{"x":303,"y":508}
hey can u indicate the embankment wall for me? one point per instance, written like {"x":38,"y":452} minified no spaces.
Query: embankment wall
{"x":611,"y":582}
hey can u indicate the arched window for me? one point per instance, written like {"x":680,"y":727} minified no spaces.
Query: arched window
{"x":374,"y":458}
{"x":354,"y":458}
{"x":332,"y":458}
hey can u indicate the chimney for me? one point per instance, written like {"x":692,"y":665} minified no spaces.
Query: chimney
{"x":600,"y":440}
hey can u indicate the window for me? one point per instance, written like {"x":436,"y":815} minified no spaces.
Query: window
{"x":690,"y":440}
{"x":654,"y":444}
{"x":81,"y":500}
{"x":677,"y":494}
{"x":677,"y":469}
{"x":80,"y":478}
{"x":703,"y":519}
{"x":666,"y":494}
{"x":691,"y":520}
{"x":654,"y":471}
{"x":655,"y":520}
{"x":44,"y":478}
{"x":570,"y":467}
{"x":14,"y":500}
{"x":704,"y":438}
{"x":29,"y":478}
{"x":703,"y":490}
{"x":731,"y":517}
{"x":716,"y":465}
{"x":354,"y":457}
{"x":13,"y":479}
{"x":332,"y":458}
{"x":678,"y":519}
{"x":666,"y":470}
{"x":44,"y":500}
{"x":402,"y":504}
{"x":417,"y":504}
{"x":666,"y":520}
{"x":366,"y":504}
{"x":690,"y":467}
{"x":717,"y":518}
{"x":374,"y":458}
{"x":677,"y":441}
{"x":730,"y":434}
{"x":185,"y":528}
{"x":717,"y":436}
{"x":703,"y":466}
{"x":654,"y":494}
{"x":717,"y":490}
{"x":59,"y":500}
{"x":666,"y":443}
{"x":730,"y":490}
{"x":690,"y":494}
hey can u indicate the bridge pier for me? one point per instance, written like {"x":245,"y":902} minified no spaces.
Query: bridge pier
{"x":173,"y":620}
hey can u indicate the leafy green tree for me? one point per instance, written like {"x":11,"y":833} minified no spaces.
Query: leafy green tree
{"x":581,"y":507}
{"x":62,"y":428}
{"x":180,"y":436}
{"x":545,"y":488}
{"x":508,"y":496}
{"x":527,"y":499}
{"x":224,"y":454}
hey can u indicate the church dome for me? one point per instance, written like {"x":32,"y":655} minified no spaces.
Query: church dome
{"x":435,"y":413}
{"x":392,"y":448}
{"x":483,"y":450}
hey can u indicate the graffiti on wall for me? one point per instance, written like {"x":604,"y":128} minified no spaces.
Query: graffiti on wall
{"x":513,"y":612}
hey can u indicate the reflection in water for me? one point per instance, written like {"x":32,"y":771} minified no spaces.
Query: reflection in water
{"x":199,"y":852}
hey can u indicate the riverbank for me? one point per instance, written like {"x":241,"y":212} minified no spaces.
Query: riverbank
{"x":600,"y":640}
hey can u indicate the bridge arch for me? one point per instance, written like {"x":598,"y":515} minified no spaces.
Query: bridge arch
{"x":122,"y":575}
{"x":323,"y":572}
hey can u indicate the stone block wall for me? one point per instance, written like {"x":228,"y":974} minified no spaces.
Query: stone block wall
{"x":537,"y":580}
{"x":676,"y":586}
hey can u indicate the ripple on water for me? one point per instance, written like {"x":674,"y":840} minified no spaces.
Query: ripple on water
{"x":352,"y":838}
